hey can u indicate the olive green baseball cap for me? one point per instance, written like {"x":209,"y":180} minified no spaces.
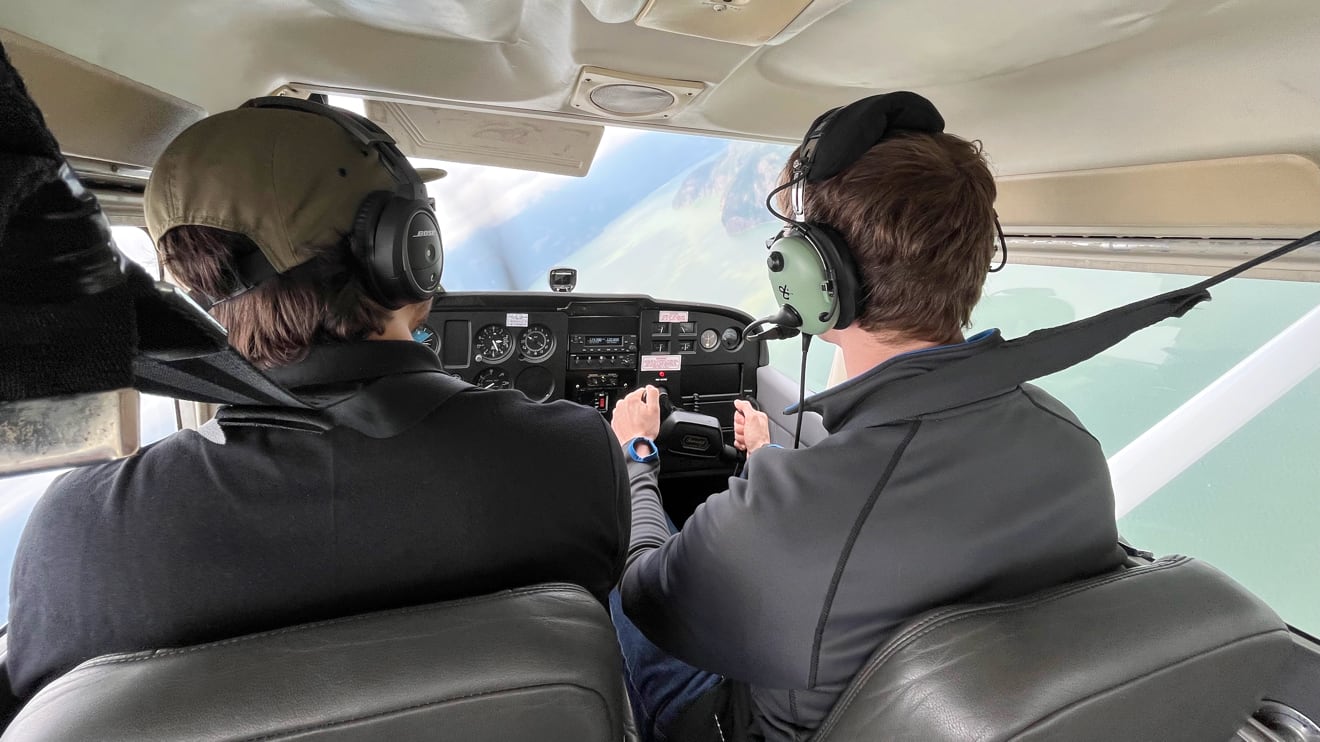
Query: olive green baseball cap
{"x":290,"y":181}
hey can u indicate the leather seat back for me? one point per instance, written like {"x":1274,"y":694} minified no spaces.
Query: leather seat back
{"x":539,"y":663}
{"x":1174,"y":650}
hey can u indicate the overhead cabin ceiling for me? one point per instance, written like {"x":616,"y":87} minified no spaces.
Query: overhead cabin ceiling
{"x":1046,"y":85}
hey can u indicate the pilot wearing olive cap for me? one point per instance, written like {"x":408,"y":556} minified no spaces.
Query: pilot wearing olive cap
{"x":314,"y":243}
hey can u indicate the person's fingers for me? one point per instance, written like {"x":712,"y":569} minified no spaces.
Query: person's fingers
{"x":652,"y":400}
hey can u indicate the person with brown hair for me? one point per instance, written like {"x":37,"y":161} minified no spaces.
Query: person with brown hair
{"x":751,"y":621}
{"x":265,"y":213}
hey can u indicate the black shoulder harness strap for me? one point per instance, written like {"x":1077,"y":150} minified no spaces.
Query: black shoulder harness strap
{"x":1042,"y":352}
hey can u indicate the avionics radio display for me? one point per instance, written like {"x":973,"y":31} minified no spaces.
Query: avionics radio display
{"x":606,"y":342}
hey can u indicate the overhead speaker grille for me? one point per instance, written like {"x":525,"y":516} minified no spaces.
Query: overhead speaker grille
{"x":621,"y":95}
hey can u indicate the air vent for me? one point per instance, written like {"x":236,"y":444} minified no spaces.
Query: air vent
{"x":620,"y":95}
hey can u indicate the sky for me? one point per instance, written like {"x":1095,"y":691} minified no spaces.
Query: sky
{"x":471,"y":197}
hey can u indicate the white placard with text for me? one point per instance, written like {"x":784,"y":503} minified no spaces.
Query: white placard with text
{"x":662,"y":363}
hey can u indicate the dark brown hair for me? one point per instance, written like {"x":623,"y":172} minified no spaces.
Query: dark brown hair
{"x":917,"y":212}
{"x":274,"y":324}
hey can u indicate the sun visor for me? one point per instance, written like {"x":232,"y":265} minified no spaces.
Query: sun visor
{"x":94,"y":112}
{"x":489,"y":138}
{"x":73,"y":430}
{"x":1267,"y":196}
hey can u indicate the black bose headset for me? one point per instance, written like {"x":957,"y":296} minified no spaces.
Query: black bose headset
{"x":396,"y":238}
{"x":812,"y":271}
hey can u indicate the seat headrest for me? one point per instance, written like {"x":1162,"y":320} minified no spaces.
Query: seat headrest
{"x":539,"y":663}
{"x":1173,"y":650}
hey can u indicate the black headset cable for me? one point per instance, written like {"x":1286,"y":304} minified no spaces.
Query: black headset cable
{"x":802,"y":391}
{"x":770,"y":203}
{"x":1003,"y":246}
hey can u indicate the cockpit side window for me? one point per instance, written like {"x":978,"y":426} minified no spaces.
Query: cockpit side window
{"x":1246,"y":504}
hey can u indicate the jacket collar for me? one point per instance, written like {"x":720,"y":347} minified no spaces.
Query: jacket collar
{"x":838,"y":404}
{"x":339,"y":364}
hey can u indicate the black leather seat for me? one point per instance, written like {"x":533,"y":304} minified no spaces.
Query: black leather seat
{"x":539,"y":663}
{"x":1173,"y":650}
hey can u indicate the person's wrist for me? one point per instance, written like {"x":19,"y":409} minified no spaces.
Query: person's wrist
{"x":642,"y":449}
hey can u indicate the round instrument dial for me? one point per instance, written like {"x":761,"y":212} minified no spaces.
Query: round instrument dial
{"x":537,"y":343}
{"x":492,"y":378}
{"x":494,"y":344}
{"x":709,"y":340}
{"x":427,"y":336}
{"x":731,"y":338}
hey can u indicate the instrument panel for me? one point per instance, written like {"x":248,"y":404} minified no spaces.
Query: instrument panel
{"x":592,"y":349}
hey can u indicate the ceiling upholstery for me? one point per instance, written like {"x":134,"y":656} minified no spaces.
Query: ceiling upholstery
{"x":1047,"y":86}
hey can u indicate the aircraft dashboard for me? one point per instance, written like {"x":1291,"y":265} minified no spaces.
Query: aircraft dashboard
{"x":591,"y":349}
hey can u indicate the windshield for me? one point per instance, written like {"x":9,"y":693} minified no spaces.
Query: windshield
{"x":652,"y":202}
{"x":675,"y":216}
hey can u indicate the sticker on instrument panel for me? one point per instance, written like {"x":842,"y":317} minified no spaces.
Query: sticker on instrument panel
{"x":673,"y":316}
{"x":515,"y":320}
{"x":662,"y":363}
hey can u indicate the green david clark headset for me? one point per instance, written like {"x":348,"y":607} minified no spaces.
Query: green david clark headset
{"x":811,"y":268}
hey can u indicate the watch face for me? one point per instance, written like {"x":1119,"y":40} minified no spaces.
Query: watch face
{"x":633,"y":453}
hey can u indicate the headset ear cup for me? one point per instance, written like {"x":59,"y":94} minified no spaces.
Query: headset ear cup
{"x":417,"y":252}
{"x":840,"y":263}
{"x":365,"y":248}
{"x":799,"y":277}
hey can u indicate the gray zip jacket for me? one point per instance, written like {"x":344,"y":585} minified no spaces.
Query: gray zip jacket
{"x":792,"y":577}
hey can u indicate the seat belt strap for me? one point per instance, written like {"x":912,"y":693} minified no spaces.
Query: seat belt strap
{"x":1014,"y":362}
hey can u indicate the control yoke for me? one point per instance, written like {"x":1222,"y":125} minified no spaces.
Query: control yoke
{"x":692,"y":434}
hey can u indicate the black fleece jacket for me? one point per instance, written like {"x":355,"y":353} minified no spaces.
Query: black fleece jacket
{"x":202,"y":537}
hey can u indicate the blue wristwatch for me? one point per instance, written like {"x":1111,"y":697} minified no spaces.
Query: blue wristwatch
{"x":649,"y":458}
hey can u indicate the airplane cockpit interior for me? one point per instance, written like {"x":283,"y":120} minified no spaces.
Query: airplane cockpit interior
{"x":597,"y":182}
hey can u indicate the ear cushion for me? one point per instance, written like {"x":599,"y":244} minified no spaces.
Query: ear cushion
{"x":374,"y":261}
{"x":840,"y":263}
